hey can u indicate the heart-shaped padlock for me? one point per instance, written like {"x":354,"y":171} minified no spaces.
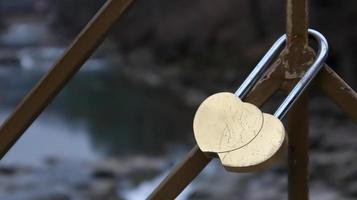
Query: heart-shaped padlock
{"x":244,"y":138}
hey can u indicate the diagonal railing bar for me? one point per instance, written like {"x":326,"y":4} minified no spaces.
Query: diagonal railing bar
{"x":339,"y":91}
{"x":181,"y":176}
{"x":50,"y":85}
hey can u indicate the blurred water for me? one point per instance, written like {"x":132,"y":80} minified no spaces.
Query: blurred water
{"x":98,"y":111}
{"x":50,"y":136}
{"x":98,"y":114}
{"x":20,"y":34}
{"x":145,"y":189}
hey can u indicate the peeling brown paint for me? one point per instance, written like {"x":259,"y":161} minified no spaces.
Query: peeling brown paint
{"x":296,"y":59}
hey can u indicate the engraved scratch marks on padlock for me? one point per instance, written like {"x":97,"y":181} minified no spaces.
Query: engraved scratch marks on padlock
{"x":226,"y":134}
{"x":235,"y":118}
{"x":228,"y":131}
{"x":228,"y":128}
{"x":223,"y":123}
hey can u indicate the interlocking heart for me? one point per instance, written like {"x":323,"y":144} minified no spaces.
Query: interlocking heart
{"x":244,"y":138}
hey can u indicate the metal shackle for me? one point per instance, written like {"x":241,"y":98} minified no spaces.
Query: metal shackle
{"x":299,"y":88}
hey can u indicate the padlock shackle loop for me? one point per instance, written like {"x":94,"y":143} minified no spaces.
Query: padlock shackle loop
{"x":308,"y":77}
{"x":265,"y":62}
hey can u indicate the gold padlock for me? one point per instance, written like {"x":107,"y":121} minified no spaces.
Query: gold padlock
{"x":244,"y":138}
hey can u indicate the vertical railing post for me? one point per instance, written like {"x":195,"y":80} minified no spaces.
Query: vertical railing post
{"x":297,"y":57}
{"x":298,"y":151}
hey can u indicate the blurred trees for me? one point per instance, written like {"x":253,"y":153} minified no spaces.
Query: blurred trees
{"x":179,"y":28}
{"x":68,"y":16}
{"x":212,"y":33}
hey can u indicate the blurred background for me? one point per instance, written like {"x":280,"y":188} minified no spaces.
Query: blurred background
{"x":126,"y":118}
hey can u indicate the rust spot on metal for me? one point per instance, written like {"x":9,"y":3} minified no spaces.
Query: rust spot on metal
{"x":295,"y":61}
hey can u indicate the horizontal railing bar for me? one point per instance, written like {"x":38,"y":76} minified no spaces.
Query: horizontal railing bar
{"x":67,"y":66}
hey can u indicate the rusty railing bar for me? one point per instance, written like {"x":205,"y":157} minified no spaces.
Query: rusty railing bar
{"x":298,"y":127}
{"x":181,"y":176}
{"x":297,"y":22}
{"x":339,"y":91}
{"x":49,"y":86}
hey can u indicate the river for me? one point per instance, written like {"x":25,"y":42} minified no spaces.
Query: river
{"x":98,"y":116}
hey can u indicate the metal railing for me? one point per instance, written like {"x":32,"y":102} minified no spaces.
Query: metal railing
{"x":296,"y":54}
